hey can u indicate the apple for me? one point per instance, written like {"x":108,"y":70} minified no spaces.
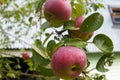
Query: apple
{"x":57,"y":11}
{"x":26,"y":55}
{"x":79,"y":21}
{"x":68,"y":62}
{"x":78,"y":33}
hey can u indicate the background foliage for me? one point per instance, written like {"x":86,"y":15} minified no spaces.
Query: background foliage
{"x":19,"y":18}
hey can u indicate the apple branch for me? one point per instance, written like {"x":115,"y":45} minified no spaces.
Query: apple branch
{"x":25,"y":74}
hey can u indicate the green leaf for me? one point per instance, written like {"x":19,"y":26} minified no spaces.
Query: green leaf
{"x":101,"y":5}
{"x":30,"y":19}
{"x":101,"y":63}
{"x":76,"y":42}
{"x":45,"y":71}
{"x":45,"y":25}
{"x":50,"y":47}
{"x":17,"y":16}
{"x":11,"y":75}
{"x":57,"y":46}
{"x":104,"y":43}
{"x":47,"y":37}
{"x":95,"y":7}
{"x":39,"y":4}
{"x":37,"y":58}
{"x":17,"y":32}
{"x":39,"y":44}
{"x":92,"y":23}
{"x":79,"y":10}
{"x":70,"y":25}
{"x":16,"y":5}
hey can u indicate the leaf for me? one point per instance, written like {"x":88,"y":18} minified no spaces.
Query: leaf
{"x":30,"y":19}
{"x":17,"y":16}
{"x":92,"y":23}
{"x":69,"y":25}
{"x":45,"y":71}
{"x":50,"y":47}
{"x":17,"y":32}
{"x":95,"y":7}
{"x":104,"y":43}
{"x":39,"y":5}
{"x":37,"y":58}
{"x":11,"y":75}
{"x":79,"y":10}
{"x":76,"y":42}
{"x":101,"y":63}
{"x":47,"y":37}
{"x":57,"y":46}
{"x":16,"y":5}
{"x":45,"y":25}
{"x":39,"y":44}
{"x":101,"y":5}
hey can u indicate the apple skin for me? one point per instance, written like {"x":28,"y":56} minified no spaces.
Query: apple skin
{"x":57,"y":11}
{"x":78,"y":33}
{"x":26,"y":55}
{"x":79,"y":21}
{"x":68,"y":62}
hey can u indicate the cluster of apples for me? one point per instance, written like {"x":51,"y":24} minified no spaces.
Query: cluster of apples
{"x":67,"y":61}
{"x":57,"y":12}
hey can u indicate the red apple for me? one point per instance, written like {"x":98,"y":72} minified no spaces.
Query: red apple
{"x":68,"y":62}
{"x":26,"y":55}
{"x":78,"y":33}
{"x":79,"y":21}
{"x":57,"y":11}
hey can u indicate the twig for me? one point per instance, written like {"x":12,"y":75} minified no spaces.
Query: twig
{"x":25,"y":74}
{"x":91,"y":69}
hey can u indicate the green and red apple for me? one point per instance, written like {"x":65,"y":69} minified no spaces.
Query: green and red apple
{"x":26,"y":55}
{"x":68,"y":62}
{"x":57,"y":11}
{"x":78,"y":33}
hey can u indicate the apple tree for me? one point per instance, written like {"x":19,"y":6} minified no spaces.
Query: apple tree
{"x":62,"y":32}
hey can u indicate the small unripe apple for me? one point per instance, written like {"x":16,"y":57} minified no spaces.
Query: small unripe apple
{"x":26,"y":55}
{"x":57,"y":11}
{"x":68,"y":62}
{"x":78,"y":33}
